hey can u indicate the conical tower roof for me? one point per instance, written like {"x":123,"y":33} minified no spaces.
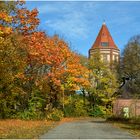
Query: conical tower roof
{"x":104,"y":39}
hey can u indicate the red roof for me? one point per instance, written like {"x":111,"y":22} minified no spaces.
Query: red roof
{"x":104,"y":36}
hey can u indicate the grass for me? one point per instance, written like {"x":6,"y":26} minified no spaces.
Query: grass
{"x":21,"y":129}
{"x":131,"y":128}
{"x":17,"y":129}
{"x":131,"y":125}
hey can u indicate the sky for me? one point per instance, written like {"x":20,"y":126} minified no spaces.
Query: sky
{"x":79,"y":22}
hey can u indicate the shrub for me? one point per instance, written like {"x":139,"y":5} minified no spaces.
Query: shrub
{"x":96,"y":112}
{"x":55,"y":115}
{"x":80,"y":108}
{"x":118,"y":119}
{"x":29,"y":115}
{"x":135,"y":120}
{"x":100,"y":111}
{"x":26,"y":115}
{"x":69,"y":110}
{"x":75,"y":107}
{"x":34,"y":109}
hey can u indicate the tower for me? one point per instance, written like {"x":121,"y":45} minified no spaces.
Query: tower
{"x":104,"y":43}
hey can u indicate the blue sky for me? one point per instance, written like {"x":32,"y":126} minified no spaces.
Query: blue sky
{"x":79,"y":22}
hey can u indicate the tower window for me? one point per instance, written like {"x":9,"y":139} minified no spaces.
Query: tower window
{"x":104,"y":44}
{"x":104,"y":57}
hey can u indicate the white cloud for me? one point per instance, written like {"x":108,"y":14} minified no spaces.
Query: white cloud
{"x":80,"y":20}
{"x":47,"y":8}
{"x":55,"y":7}
{"x":72,"y":25}
{"x":69,"y":20}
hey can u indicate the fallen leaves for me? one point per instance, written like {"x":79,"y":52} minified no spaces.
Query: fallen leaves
{"x":23,"y":129}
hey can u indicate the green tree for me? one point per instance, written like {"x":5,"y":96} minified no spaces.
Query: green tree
{"x":103,"y":86}
{"x":130,"y":65}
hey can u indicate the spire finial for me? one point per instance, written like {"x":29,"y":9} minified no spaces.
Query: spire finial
{"x":103,"y":22}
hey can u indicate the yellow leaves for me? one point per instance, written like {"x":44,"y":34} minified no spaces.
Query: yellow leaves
{"x":62,"y":87}
{"x":1,"y":32}
{"x":8,"y":19}
{"x":5,"y":17}
{"x":5,"y":30}
{"x":20,"y":75}
{"x":1,"y":39}
{"x":17,"y":90}
{"x":8,"y":30}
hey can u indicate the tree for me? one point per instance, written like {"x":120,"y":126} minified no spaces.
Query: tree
{"x":12,"y":63}
{"x":62,"y":69}
{"x":84,"y":61}
{"x":130,"y":65}
{"x":37,"y":71}
{"x":103,"y":86}
{"x":13,"y":58}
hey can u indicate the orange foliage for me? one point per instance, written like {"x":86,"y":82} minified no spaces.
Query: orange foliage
{"x":46,"y":63}
{"x":5,"y":17}
{"x":4,"y":29}
{"x":63,"y":65}
{"x":64,"y":68}
{"x":27,"y":20}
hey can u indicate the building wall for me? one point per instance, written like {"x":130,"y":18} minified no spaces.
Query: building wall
{"x":107,"y":54}
{"x":132,"y":104}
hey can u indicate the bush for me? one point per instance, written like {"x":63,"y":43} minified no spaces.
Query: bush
{"x":80,"y":108}
{"x":69,"y":110}
{"x":135,"y":120}
{"x":118,"y":119}
{"x":75,"y":107}
{"x":100,"y":111}
{"x":29,"y":115}
{"x":96,"y":112}
{"x":26,"y":115}
{"x":55,"y":115}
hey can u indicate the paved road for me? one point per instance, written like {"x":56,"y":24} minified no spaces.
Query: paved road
{"x":87,"y":129}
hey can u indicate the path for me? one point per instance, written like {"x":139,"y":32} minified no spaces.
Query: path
{"x":87,"y":129}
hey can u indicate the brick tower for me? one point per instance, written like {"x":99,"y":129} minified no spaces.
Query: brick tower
{"x":105,"y":45}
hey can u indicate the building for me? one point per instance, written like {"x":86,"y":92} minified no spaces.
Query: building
{"x":104,"y":43}
{"x":109,"y":52}
{"x":132,"y":106}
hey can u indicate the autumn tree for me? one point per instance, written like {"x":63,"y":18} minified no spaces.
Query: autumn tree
{"x":58,"y":66}
{"x":5,"y":73}
{"x":38,"y":72}
{"x":13,"y":56}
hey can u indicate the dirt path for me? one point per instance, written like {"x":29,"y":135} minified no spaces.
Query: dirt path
{"x":87,"y":129}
